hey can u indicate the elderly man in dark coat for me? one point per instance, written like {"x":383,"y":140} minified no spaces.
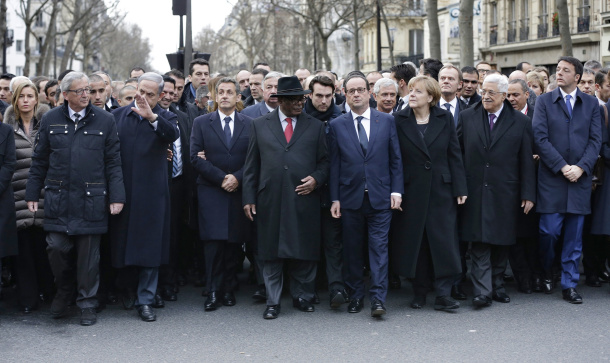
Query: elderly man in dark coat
{"x":287,"y":159}
{"x":140,"y":235}
{"x":497,"y":144}
{"x":8,"y":224}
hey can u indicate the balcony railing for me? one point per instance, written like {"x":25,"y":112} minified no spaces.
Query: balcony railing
{"x":493,"y":38}
{"x":583,"y":24}
{"x":543,"y":30}
{"x":524,"y":33}
{"x":555,"y":30}
{"x":511,"y":34}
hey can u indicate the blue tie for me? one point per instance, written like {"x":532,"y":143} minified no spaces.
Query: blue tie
{"x":569,"y":105}
{"x":176,"y":161}
{"x":227,"y":130}
{"x":364,"y":142}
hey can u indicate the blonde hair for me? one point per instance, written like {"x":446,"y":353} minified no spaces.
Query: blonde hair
{"x":16,"y":95}
{"x":431,"y":87}
{"x":535,"y":77}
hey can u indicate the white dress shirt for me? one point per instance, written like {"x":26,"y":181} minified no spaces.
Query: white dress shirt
{"x":285,"y":123}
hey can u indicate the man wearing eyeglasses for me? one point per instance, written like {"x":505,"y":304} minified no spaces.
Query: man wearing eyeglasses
{"x":483,"y":68}
{"x":497,"y":145}
{"x":77,"y":161}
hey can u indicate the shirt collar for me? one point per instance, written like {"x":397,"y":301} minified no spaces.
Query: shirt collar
{"x":524,"y":110}
{"x":497,"y":113}
{"x":223,"y":116}
{"x":453,"y":102}
{"x":573,"y":93}
{"x":366,"y":114}
{"x":283,"y":117}
{"x":71,"y":113}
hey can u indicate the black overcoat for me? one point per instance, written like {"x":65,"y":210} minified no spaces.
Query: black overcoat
{"x":288,"y":224}
{"x":434,"y":177}
{"x":500,"y":173}
{"x":600,"y":218}
{"x":8,"y":223}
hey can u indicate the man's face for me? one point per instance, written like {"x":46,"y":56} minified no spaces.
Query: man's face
{"x":516,"y":96}
{"x":566,"y":75}
{"x":127,"y":98}
{"x":179,"y":88}
{"x":256,"y":86}
{"x":302,"y":74}
{"x":449,"y":80}
{"x":373,"y":78}
{"x":270,"y":89}
{"x":356,"y":94}
{"x":108,"y":86}
{"x":200,"y":76}
{"x":603,"y":91}
{"x":169,"y":91}
{"x":492,"y":103}
{"x":136,"y":73}
{"x":321,"y":97}
{"x":526,"y":67}
{"x":226,"y":97}
{"x":292,"y":106}
{"x":469,"y":84}
{"x":77,"y":101}
{"x":243,"y":78}
{"x":98,"y":93}
{"x":483,"y":70}
{"x":42,"y":97}
{"x":149,"y":90}
{"x":52,"y":91}
{"x":5,"y":92}
{"x":401,"y":85}
{"x":386,"y":98}
{"x":587,"y":84}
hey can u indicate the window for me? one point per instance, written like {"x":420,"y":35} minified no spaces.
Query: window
{"x":19,"y":45}
{"x":494,"y":14}
{"x":416,"y":41}
{"x":584,"y":8}
{"x":19,"y":71}
{"x":544,"y":12}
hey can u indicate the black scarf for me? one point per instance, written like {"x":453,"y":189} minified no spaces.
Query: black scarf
{"x":322,"y":116}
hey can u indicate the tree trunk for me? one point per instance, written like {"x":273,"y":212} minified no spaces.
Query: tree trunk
{"x":466,"y":40}
{"x":387,"y":30}
{"x":434,"y":29}
{"x":356,"y":37}
{"x":3,"y":28}
{"x":42,"y":66}
{"x":26,"y":43}
{"x":69,"y":46}
{"x":328,"y":63}
{"x":564,"y":27}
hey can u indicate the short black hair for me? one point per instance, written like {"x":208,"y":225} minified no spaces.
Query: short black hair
{"x":63,"y":74}
{"x":323,"y":80}
{"x":432,"y":67}
{"x":261,"y":64}
{"x":262,"y":71}
{"x":137,"y":69}
{"x":470,"y":70}
{"x":601,"y":76}
{"x":578,"y":67}
{"x":520,"y":65}
{"x":355,"y":74}
{"x":176,"y":73}
{"x":168,"y":79}
{"x":403,"y":71}
{"x":52,"y":83}
{"x":200,"y":61}
{"x":7,"y":76}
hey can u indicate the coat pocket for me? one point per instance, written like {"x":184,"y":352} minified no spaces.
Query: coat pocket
{"x":447,"y":178}
{"x":93,"y":139}
{"x":54,"y":199}
{"x":58,"y":136}
{"x":95,"y":201}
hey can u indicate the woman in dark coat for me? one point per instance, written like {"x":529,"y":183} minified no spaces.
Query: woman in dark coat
{"x":424,"y":241}
{"x":8,"y":226}
{"x":34,"y":276}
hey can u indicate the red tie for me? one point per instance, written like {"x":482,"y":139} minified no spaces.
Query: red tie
{"x":288,"y":131}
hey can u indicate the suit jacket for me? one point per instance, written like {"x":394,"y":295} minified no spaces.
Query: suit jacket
{"x":563,"y":140}
{"x":288,"y":224}
{"x":473,"y":100}
{"x":221,"y":216}
{"x":380,"y":168}
{"x":256,"y":111}
{"x":500,"y":173}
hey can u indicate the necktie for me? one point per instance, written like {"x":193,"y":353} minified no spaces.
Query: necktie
{"x":176,"y":162}
{"x":447,"y":106}
{"x":492,"y":117}
{"x":288,"y":131}
{"x":227,"y":130}
{"x":364,"y":141}
{"x":76,"y":118}
{"x":569,"y":105}
{"x":399,"y":105}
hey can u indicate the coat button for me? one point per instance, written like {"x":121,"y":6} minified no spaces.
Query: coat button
{"x":286,"y":149}
{"x":487,"y":165}
{"x":285,"y":167}
{"x":485,"y":184}
{"x":428,"y":165}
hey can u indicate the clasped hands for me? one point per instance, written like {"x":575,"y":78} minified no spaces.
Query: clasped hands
{"x":572,"y":172}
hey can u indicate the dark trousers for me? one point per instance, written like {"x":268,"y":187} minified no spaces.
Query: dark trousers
{"x":424,"y":279}
{"x":461,"y":278}
{"x":107,"y":272}
{"x":354,"y":222}
{"x":488,"y":266}
{"x":167,"y":273}
{"x":221,"y":260}
{"x":302,"y":279}
{"x":551,"y":225}
{"x":595,"y":252}
{"x":333,"y":250}
{"x":34,"y":275}
{"x":524,"y":259}
{"x":252,"y":250}
{"x":86,"y":276}
{"x":142,"y":280}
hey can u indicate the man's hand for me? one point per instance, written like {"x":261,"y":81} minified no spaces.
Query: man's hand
{"x":201,"y":154}
{"x":116,"y":208}
{"x":230,"y":183}
{"x":250,"y":210}
{"x":536,"y":157}
{"x":170,"y":155}
{"x":461,"y":199}
{"x":527,"y":206}
{"x":143,"y":108}
{"x":33,"y":206}
{"x":335,"y":209}
{"x":309,"y":184}
{"x":573,"y":173}
{"x":396,"y":200}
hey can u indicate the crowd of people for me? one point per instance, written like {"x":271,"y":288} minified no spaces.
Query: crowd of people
{"x":122,"y":192}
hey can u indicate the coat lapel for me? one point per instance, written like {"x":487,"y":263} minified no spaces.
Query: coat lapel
{"x":215,"y":121}
{"x":435,"y":126}
{"x":408,"y":126}
{"x":482,"y":123}
{"x":504,"y":123}
{"x":275,"y":125}
{"x":238,"y":127}
{"x":351,"y":131}
{"x":302,"y":124}
{"x":374,"y":129}
{"x":557,"y":98}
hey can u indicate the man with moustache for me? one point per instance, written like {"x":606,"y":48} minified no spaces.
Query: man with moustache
{"x":470,"y":85}
{"x":385,"y":91}
{"x":270,"y":102}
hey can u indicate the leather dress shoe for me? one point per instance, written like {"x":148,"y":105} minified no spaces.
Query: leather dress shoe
{"x":88,"y":317}
{"x":525,"y":286}
{"x":605,"y":276}
{"x":547,"y":286}
{"x":481,"y":301}
{"x":28,"y":309}
{"x":146,"y":313}
{"x":59,"y":308}
{"x":593,"y":281}
{"x":500,"y":297}
{"x":377,"y":309}
{"x":571,"y":296}
{"x":394,"y":282}
{"x":537,"y":284}
{"x":112,"y":299}
{"x":458,"y":293}
{"x":303,"y":305}
{"x":445,"y":303}
{"x":228,"y":299}
{"x":418,"y":301}
{"x":260,"y":294}
{"x":355,"y":305}
{"x":158,"y":302}
{"x":271,"y":312}
{"x":128,"y":299}
{"x":212,"y":303}
{"x":316,"y":298}
{"x":181,"y":280}
{"x":336,"y":299}
{"x":169,"y":295}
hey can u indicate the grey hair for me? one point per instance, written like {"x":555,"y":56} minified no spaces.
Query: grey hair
{"x":66,"y":83}
{"x":16,"y":79}
{"x":588,"y":70}
{"x":201,"y":92}
{"x":153,"y":77}
{"x":228,"y":80}
{"x":96,"y":78}
{"x":498,"y":79}
{"x":272,"y":75}
{"x":523,"y":84}
{"x":104,"y":73}
{"x":384,"y":82}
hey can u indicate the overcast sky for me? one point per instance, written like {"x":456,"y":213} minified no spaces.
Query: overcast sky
{"x":163,"y":29}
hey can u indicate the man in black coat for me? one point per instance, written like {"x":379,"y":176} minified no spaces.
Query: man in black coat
{"x":497,"y":145}
{"x":270,"y":103}
{"x":77,"y":161}
{"x":450,"y":78}
{"x":199,"y":75}
{"x":179,"y":102}
{"x":470,"y":86}
{"x":256,"y":87}
{"x":140,"y":235}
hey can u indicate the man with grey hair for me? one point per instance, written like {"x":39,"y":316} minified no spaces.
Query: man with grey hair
{"x":385,"y":91}
{"x":140,"y":235}
{"x":201,"y":99}
{"x":76,"y":160}
{"x":269,"y":103}
{"x":593,"y":65}
{"x":497,"y":145}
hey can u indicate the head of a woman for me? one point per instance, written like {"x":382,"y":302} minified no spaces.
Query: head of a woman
{"x":536,"y":82}
{"x":25,"y":99}
{"x":423,"y":92}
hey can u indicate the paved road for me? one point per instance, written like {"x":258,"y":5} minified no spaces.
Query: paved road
{"x":532,"y":328}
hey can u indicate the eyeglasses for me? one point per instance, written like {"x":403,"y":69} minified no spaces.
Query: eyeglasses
{"x":354,"y":90}
{"x":80,"y":91}
{"x":484,"y":70}
{"x":296,"y":100}
{"x":491,"y":93}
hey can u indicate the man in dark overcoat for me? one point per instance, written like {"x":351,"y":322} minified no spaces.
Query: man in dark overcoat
{"x":568,"y":137}
{"x":287,"y":159}
{"x":140,"y":235}
{"x":8,"y":224}
{"x":496,"y":142}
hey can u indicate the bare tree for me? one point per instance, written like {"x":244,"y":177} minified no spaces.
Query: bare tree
{"x":466,"y":39}
{"x":433,"y":29}
{"x":119,"y":56}
{"x":42,"y":66}
{"x":564,"y":27}
{"x":3,"y":10}
{"x":29,"y":12}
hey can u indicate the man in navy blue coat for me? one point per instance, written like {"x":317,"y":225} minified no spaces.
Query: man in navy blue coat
{"x":366,"y":182}
{"x":269,"y":103}
{"x":567,"y":136}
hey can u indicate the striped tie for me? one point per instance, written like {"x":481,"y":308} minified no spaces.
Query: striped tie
{"x":176,"y":161}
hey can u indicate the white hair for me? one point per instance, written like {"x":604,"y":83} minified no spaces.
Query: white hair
{"x":499,"y":79}
{"x":384,"y":82}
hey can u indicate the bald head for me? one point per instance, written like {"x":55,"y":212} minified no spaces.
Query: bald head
{"x":517,"y":75}
{"x":243,"y":77}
